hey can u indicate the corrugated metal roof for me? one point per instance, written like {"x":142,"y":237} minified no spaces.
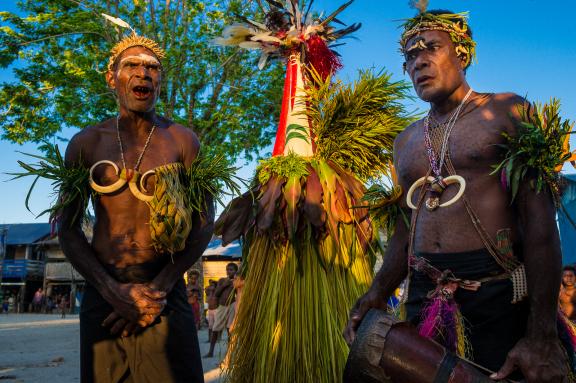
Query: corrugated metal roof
{"x":25,"y":233}
{"x":215,"y":248}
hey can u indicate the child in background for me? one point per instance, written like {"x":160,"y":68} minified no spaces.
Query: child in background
{"x":194,"y":301}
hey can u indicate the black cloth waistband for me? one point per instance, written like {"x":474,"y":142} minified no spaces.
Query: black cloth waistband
{"x":473,"y":264}
{"x":493,"y":323}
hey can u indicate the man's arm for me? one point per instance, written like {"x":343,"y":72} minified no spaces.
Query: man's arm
{"x":539,"y":355}
{"x":391,"y":274}
{"x":222,"y":285}
{"x":128,"y":300}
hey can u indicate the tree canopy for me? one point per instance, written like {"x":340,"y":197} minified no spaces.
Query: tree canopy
{"x":58,"y":51}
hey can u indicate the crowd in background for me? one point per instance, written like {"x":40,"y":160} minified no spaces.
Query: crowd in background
{"x":41,"y":303}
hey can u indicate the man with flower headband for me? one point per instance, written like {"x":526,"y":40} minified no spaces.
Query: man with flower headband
{"x":135,"y":322}
{"x":482,"y":265}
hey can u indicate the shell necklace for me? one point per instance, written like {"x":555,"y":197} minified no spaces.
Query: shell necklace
{"x":131,"y":176}
{"x":437,"y":184}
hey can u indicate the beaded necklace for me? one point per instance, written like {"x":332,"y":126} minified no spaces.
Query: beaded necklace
{"x":437,"y":149}
{"x":139,"y":160}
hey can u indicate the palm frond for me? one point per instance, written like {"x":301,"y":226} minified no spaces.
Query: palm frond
{"x":384,"y":207}
{"x":70,"y":183}
{"x":355,"y":124}
{"x":211,"y":175}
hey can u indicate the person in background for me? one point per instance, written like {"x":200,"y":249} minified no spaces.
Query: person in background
{"x":194,"y":301}
{"x":212,"y":306}
{"x":63,"y":305}
{"x":5,"y":304}
{"x":567,"y":296}
{"x":37,"y":300}
{"x":225,"y":311}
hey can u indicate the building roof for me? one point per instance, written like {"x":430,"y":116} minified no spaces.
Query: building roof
{"x":215,"y":249}
{"x":25,"y":233}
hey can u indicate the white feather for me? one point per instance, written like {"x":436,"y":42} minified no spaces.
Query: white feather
{"x":259,"y":25}
{"x":250,"y":45}
{"x":262,"y":61}
{"x":237,"y":30}
{"x":118,"y":21}
{"x":266,"y":38}
{"x":420,"y":5}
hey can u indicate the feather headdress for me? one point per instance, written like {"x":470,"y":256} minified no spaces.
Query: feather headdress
{"x":131,"y":41}
{"x":290,"y":28}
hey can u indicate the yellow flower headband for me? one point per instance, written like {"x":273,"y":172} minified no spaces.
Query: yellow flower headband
{"x":131,"y":41}
{"x":134,"y":41}
{"x":455,"y":24}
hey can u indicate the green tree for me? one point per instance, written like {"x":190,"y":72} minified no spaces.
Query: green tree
{"x":58,"y":50}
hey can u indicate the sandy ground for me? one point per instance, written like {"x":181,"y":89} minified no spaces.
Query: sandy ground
{"x":46,"y":348}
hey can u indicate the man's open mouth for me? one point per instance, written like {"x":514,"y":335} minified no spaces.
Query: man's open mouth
{"x":142,"y":92}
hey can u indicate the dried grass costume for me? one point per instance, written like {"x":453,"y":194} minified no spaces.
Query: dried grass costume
{"x":308,"y":241}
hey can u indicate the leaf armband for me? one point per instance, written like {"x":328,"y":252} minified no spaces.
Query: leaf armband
{"x":538,"y":150}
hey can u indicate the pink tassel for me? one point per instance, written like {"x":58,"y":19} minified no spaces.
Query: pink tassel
{"x":440,"y":322}
{"x":443,"y":322}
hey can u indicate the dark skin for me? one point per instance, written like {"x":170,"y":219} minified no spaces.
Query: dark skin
{"x":121,"y":232}
{"x":438,"y":77}
{"x":567,"y":296}
{"x":222,"y":292}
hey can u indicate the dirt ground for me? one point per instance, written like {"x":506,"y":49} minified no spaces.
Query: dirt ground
{"x":46,"y":348}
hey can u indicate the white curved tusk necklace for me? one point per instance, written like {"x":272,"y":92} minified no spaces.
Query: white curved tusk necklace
{"x":438,"y":184}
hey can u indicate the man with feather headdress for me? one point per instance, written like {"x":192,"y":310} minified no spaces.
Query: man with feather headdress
{"x":481,"y":257}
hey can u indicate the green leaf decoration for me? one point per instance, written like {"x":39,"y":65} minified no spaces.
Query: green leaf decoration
{"x":213,"y":175}
{"x":298,"y":136}
{"x":293,"y":127}
{"x":70,"y":183}
{"x":355,"y":124}
{"x":538,"y":149}
{"x":290,"y":166}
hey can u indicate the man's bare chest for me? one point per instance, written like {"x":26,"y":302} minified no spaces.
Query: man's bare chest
{"x":471,"y":148}
{"x":112,"y":157}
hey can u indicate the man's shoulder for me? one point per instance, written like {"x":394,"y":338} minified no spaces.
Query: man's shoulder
{"x":508,"y":101}
{"x":405,"y":135}
{"x":508,"y":108}
{"x":84,"y":141}
{"x":184,"y":135}
{"x":179,"y":130}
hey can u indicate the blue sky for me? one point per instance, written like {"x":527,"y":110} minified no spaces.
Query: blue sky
{"x":527,"y":47}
